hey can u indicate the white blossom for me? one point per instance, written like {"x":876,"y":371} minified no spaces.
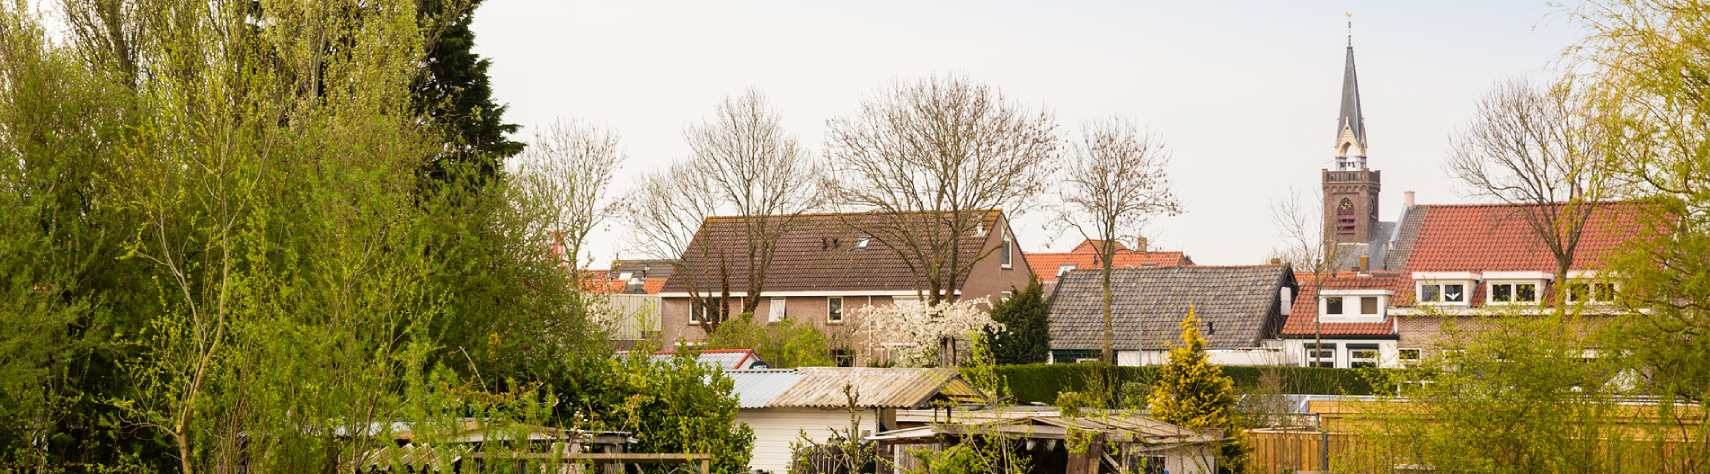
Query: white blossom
{"x":912,"y":331}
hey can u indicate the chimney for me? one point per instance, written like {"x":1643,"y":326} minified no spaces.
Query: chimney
{"x":1140,"y":244}
{"x":1365,"y":263}
{"x":1276,"y":261}
{"x":1407,"y":200}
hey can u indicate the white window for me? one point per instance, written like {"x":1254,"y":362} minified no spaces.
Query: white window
{"x":861,"y":243}
{"x":1443,"y":292}
{"x":1353,"y":305}
{"x":1362,"y":355}
{"x":1591,"y":292}
{"x":775,"y":310}
{"x":834,"y":310}
{"x":1321,"y":356}
{"x":1065,"y":268}
{"x":1005,"y":295}
{"x":1006,"y":254}
{"x":1511,"y":292}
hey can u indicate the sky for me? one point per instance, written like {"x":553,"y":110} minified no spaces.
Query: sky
{"x":1244,"y":94}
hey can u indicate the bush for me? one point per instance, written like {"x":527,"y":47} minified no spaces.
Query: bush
{"x":1040,"y":383}
{"x":783,"y":344}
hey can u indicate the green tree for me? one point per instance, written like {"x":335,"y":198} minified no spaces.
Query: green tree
{"x":1192,"y":392}
{"x":1025,"y":338}
{"x":671,"y":406}
{"x":782,"y":344}
{"x":453,"y":93}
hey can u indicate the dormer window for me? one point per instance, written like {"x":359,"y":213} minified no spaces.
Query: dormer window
{"x":1353,"y":305}
{"x":1591,"y":292}
{"x":1509,"y":292}
{"x":861,"y":243}
{"x":1439,"y":292}
{"x":1065,"y":268}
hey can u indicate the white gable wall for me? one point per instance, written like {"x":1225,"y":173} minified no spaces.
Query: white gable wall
{"x":775,"y":428}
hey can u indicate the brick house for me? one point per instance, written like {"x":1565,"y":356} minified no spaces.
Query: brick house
{"x":1452,"y":264}
{"x":823,"y":269}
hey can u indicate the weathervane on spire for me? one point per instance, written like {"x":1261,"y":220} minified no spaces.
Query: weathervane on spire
{"x":1350,"y":16}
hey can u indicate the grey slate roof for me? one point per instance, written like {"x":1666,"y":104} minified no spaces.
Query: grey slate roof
{"x":1352,"y":117}
{"x":1237,"y":306}
{"x":1405,"y":236}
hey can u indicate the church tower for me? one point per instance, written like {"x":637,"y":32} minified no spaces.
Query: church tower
{"x":1350,"y":189}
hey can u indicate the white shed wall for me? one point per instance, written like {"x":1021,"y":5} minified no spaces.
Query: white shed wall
{"x":776,"y":428}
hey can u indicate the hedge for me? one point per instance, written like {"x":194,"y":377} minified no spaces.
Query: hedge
{"x":1040,"y":383}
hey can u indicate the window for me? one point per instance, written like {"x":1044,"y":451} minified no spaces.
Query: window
{"x":1514,"y":292}
{"x":695,"y":311}
{"x":1065,"y":268}
{"x":775,"y":310}
{"x":1345,"y":217}
{"x":1591,"y":292}
{"x":834,"y":310}
{"x":1324,"y":356}
{"x":1006,"y":254}
{"x":861,"y":243}
{"x":706,"y":308}
{"x":1369,"y":305}
{"x":1409,"y":357}
{"x":1005,"y":295}
{"x":1443,"y":293}
{"x":1333,"y":305}
{"x":843,"y":357}
{"x":1362,"y":355}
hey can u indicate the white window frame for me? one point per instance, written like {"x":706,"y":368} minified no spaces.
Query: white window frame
{"x":1591,"y":286}
{"x":1315,"y":353}
{"x":775,"y":308}
{"x":1513,"y":291}
{"x":1466,"y":292}
{"x":1375,"y":360}
{"x":840,"y":309}
{"x":1007,"y":257}
{"x":1402,"y":359}
{"x":1352,"y":305}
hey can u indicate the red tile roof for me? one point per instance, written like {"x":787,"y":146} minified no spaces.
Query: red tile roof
{"x":1497,"y":237}
{"x":1085,"y":257}
{"x":1304,"y":313}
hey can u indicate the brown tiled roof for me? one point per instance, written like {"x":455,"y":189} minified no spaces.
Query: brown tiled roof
{"x":1236,"y":304}
{"x":1085,"y":257}
{"x":1305,"y":310}
{"x":819,"y":252}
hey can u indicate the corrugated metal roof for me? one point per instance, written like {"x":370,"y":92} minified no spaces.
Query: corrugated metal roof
{"x":756,"y":388}
{"x":822,"y":387}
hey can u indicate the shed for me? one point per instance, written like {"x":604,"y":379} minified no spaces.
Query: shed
{"x":1141,"y":444}
{"x":783,"y":405}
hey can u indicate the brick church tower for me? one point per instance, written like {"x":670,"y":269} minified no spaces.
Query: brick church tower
{"x":1350,"y":190}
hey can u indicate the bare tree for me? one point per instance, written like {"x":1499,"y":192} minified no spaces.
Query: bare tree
{"x":745,"y":165}
{"x":757,"y":172}
{"x":1116,"y":180}
{"x":937,"y":158}
{"x":1305,"y":248}
{"x":566,"y":169}
{"x":1538,"y":149}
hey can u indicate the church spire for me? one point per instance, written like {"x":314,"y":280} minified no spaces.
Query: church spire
{"x":1351,"y":124}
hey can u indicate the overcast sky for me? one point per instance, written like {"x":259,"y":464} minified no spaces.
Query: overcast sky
{"x":1245,"y":94}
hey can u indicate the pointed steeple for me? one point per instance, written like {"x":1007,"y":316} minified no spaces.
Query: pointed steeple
{"x":1351,"y":124}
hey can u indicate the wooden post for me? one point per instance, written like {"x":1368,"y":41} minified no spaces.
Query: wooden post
{"x":706,"y":466}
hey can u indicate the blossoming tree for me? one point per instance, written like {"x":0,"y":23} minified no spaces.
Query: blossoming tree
{"x":916,"y":334}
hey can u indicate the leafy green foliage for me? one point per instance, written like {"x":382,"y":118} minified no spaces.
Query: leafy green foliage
{"x":1025,"y":338}
{"x":783,"y":344}
{"x":1192,"y":392}
{"x":1040,"y":383}
{"x":675,"y":406}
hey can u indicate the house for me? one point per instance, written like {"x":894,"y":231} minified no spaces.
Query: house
{"x":1241,"y":309}
{"x":783,"y":406}
{"x":1048,"y":266}
{"x":1131,"y":443}
{"x":1391,"y":286}
{"x":1452,"y":263}
{"x":825,"y":267}
{"x":642,"y":276}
